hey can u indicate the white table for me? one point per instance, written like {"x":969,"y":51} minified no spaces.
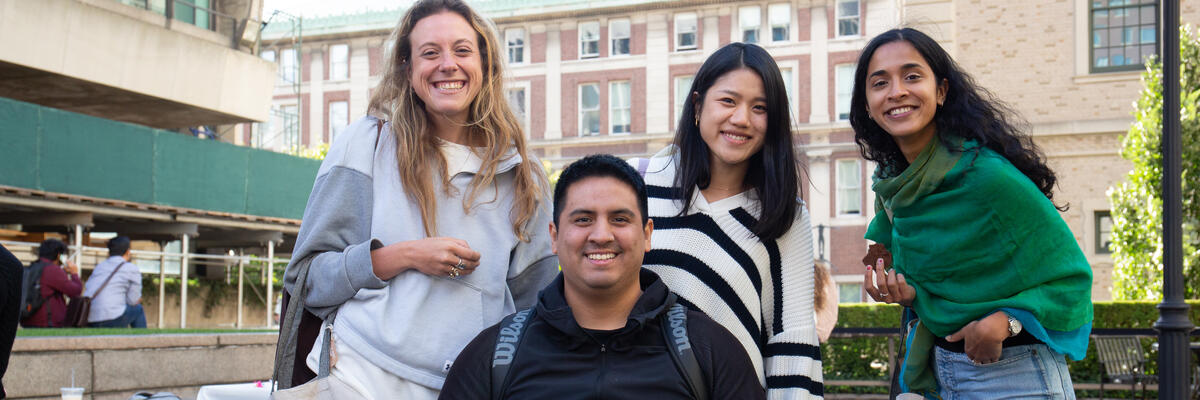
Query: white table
{"x":236,"y":391}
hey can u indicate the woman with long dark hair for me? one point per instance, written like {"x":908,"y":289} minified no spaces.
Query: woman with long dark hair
{"x":732,"y":237}
{"x":427,"y":221}
{"x":998,"y":288}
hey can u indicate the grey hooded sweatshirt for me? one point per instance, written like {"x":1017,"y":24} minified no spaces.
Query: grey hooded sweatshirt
{"x":413,"y":325}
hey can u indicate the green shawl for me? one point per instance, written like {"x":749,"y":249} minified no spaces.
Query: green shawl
{"x":973,"y":235}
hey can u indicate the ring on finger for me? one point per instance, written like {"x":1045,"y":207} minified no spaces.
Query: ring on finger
{"x":460,"y":264}
{"x":883,"y":295}
{"x":453,"y":272}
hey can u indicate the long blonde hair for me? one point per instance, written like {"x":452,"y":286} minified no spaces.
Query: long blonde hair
{"x":490,"y":120}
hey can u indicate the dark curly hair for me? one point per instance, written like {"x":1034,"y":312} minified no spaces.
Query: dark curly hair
{"x":969,"y":111}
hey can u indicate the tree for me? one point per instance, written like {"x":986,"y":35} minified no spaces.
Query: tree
{"x":1137,"y":204}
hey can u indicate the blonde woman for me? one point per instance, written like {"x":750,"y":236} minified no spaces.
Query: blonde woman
{"x":427,"y":221}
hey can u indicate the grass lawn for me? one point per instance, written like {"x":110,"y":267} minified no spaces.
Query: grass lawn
{"x":40,"y":332}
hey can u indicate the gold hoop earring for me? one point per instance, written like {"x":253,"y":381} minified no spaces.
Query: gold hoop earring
{"x":697,"y":120}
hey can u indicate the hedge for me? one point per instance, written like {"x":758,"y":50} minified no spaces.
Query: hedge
{"x":865,"y":358}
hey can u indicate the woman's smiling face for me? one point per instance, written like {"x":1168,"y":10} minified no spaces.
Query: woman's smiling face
{"x":902,"y":93}
{"x":733,"y":118}
{"x":447,"y":70}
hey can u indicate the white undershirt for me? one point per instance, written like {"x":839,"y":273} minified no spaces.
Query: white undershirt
{"x":459,"y":158}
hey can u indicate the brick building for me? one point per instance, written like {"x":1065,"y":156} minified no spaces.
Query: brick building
{"x":609,"y":76}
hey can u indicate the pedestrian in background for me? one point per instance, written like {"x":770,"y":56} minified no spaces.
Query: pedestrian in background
{"x":58,"y":282}
{"x":427,"y":221}
{"x":116,"y":289}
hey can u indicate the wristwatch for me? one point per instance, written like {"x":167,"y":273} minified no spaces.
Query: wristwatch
{"x":1014,"y":327}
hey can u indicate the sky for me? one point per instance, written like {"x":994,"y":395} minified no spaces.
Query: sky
{"x":312,"y":8}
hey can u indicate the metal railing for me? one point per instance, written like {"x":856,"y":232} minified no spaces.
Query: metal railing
{"x":894,"y":355}
{"x":201,"y":16}
{"x":180,"y":264}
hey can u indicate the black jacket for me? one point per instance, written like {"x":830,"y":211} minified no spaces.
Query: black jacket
{"x":10,"y":307}
{"x":558,"y":359}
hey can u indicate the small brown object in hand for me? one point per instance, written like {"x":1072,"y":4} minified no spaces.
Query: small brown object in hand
{"x":875,"y":252}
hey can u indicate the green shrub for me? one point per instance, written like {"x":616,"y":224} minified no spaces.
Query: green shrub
{"x":865,"y":358}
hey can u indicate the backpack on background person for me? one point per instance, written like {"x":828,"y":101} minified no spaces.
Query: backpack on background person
{"x":31,"y":288}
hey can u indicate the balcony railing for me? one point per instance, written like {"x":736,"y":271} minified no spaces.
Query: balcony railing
{"x":193,"y":12}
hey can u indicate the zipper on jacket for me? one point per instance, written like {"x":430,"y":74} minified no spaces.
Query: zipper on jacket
{"x":603,"y":371}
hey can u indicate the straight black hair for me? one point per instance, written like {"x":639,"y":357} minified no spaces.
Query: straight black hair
{"x":118,"y":246}
{"x":774,"y":170}
{"x":969,"y":111}
{"x":600,"y":165}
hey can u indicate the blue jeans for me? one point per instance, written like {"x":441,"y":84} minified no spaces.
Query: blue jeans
{"x":134,"y":317}
{"x":1023,"y":372}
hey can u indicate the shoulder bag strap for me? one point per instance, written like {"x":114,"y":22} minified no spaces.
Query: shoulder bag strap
{"x":675,"y":332}
{"x":288,"y":331}
{"x":508,"y":340}
{"x":324,"y":362}
{"x":110,"y":276}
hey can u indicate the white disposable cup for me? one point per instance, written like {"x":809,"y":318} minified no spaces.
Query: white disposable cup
{"x":72,"y":393}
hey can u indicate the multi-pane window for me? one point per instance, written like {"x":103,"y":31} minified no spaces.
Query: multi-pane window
{"x":849,"y":293}
{"x":515,"y":41}
{"x":589,"y":109}
{"x":619,"y":106}
{"x":339,"y":117}
{"x":847,"y":17}
{"x":786,"y":74}
{"x":682,"y":86}
{"x":1104,"y":226}
{"x":844,"y":78}
{"x":287,"y":132}
{"x":685,"y":31}
{"x":750,"y":19}
{"x":849,"y":187}
{"x":618,"y":31}
{"x":287,"y":65}
{"x":339,"y":61}
{"x":780,"y":18}
{"x":516,"y":102}
{"x":1124,"y":33}
{"x":589,"y":39}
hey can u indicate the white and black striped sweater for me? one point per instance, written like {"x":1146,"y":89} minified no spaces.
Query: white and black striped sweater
{"x":761,"y":291}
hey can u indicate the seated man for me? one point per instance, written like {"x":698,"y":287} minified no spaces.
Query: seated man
{"x":116,"y":289}
{"x":597,"y":330}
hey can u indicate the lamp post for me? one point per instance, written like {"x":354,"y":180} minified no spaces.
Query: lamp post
{"x":1173,"y":324}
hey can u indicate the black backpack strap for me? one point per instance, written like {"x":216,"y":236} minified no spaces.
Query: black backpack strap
{"x":675,"y":332}
{"x":508,"y":340}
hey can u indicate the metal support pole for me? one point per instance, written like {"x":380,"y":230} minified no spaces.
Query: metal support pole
{"x":78,"y":242}
{"x":821,"y":242}
{"x":183,"y":282}
{"x":270,"y":283}
{"x":241,"y":278}
{"x":1173,"y":325}
{"x":162,"y":284}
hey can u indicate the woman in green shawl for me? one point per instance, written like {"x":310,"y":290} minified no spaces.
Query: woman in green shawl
{"x":997,"y":288}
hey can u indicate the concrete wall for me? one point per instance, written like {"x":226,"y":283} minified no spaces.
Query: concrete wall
{"x":115,"y":367}
{"x":127,"y":53}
